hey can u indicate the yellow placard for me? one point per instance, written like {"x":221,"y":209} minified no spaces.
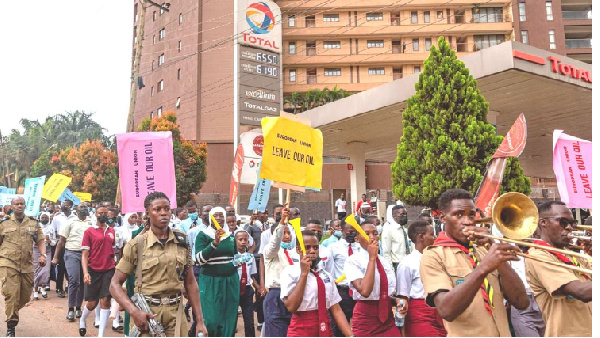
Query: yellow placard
{"x":217,"y":226}
{"x":55,"y":186}
{"x":350,"y":220}
{"x":292,"y":153}
{"x":83,"y":196}
{"x":296,"y":225}
{"x":341,"y":279}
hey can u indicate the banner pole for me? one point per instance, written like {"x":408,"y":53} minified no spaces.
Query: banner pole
{"x":236,"y":84}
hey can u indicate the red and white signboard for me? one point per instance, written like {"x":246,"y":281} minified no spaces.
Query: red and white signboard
{"x":252,"y":142}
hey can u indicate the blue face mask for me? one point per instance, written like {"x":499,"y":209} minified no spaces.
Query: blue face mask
{"x":286,"y":246}
{"x":338,"y":234}
{"x":193,"y":216}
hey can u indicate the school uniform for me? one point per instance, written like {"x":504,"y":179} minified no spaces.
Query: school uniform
{"x":372,"y":315}
{"x":311,"y":319}
{"x":245,"y":272}
{"x":340,"y":251}
{"x":421,"y":320}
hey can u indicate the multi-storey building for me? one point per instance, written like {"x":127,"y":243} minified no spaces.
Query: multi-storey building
{"x":359,"y":45}
{"x":560,"y":26}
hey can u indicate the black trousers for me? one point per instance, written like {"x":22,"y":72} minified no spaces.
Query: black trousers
{"x":247,"y":305}
{"x":49,"y":259}
{"x":341,"y":215}
{"x":60,"y":273}
{"x":347,"y":304}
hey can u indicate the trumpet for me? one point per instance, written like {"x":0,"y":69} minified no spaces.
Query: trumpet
{"x":516,"y":217}
{"x":580,"y":235}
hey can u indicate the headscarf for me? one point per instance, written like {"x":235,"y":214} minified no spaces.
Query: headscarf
{"x":250,"y":239}
{"x":388,"y":216}
{"x":210,"y":231}
{"x":127,"y":229}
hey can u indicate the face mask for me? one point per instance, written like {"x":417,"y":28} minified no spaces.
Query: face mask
{"x":277,"y":219}
{"x":403,"y":220}
{"x":48,"y":209}
{"x":379,"y":229}
{"x":350,"y":238}
{"x":110,"y":221}
{"x":65,"y":208}
{"x":102,"y":219}
{"x":193,"y":216}
{"x":44,"y":221}
{"x":93,"y":210}
{"x":314,"y":264}
{"x":286,"y":246}
{"x":337,"y":234}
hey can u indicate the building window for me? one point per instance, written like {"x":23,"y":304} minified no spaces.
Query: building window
{"x":178,"y":103}
{"x":485,"y":41}
{"x":135,"y":13}
{"x":332,"y":45}
{"x":375,"y":16}
{"x":549,"y":15}
{"x":396,"y":47}
{"x":152,"y":91}
{"x":427,"y":44}
{"x":524,"y":37}
{"x":152,"y":64}
{"x":440,"y":15}
{"x":179,"y":74}
{"x":160,"y":86}
{"x":161,"y":34}
{"x":291,"y":21}
{"x":291,"y":47}
{"x":179,"y":46}
{"x":426,"y":17}
{"x":180,"y":18}
{"x":395,"y":17}
{"x":151,"y":115}
{"x":331,"y":17}
{"x":397,"y":73}
{"x":414,"y":17}
{"x":415,"y":43}
{"x":292,"y":75}
{"x":161,"y":59}
{"x":311,"y":76}
{"x":310,"y":21}
{"x":159,"y":111}
{"x":154,"y":39}
{"x":522,"y":14}
{"x":154,"y":16}
{"x":487,"y":14}
{"x":333,"y":71}
{"x":374,"y":43}
{"x":377,"y":71}
{"x":417,"y":69}
{"x":311,"y":48}
{"x":552,"y":40}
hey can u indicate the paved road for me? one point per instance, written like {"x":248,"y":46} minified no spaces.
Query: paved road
{"x":46,"y":318}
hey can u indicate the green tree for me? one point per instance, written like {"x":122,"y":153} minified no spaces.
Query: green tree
{"x":300,"y":102}
{"x":446,"y":141}
{"x":190,"y":158}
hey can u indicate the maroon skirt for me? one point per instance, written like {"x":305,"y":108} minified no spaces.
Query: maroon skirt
{"x":366,"y":323}
{"x":423,"y":321}
{"x":306,"y":324}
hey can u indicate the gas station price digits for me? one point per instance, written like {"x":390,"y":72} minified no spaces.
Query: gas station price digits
{"x":267,"y":70}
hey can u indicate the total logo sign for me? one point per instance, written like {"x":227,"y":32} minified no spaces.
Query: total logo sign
{"x":259,"y":24}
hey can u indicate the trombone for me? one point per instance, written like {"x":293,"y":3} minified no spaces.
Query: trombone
{"x":516,"y":217}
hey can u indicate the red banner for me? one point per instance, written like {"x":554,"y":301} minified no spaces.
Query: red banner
{"x":512,"y":146}
{"x":236,"y":174}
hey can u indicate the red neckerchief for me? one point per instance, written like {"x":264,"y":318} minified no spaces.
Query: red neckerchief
{"x":560,"y":256}
{"x":290,"y":261}
{"x":486,"y":289}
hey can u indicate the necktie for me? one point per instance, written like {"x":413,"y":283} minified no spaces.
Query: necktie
{"x":324,"y":329}
{"x":384,"y":302}
{"x":243,"y":280}
{"x":406,"y":246}
{"x":290,"y":261}
{"x":350,"y":252}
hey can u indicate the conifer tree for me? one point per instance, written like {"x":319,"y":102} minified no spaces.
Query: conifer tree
{"x":447,"y":141}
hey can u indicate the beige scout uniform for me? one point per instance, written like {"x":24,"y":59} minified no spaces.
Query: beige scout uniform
{"x":161,"y":267}
{"x":16,"y":262}
{"x":564,"y":316}
{"x":442,"y":269}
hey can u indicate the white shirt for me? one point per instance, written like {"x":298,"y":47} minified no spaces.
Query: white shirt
{"x":393,"y":242}
{"x":48,"y":230}
{"x":339,"y":255}
{"x":123,"y":234}
{"x":192,"y":234}
{"x":325,"y":255}
{"x":310,"y":300}
{"x":356,"y":267}
{"x":408,"y":277}
{"x":250,"y":270}
{"x":518,"y":266}
{"x":341,"y":205}
{"x":60,"y":220}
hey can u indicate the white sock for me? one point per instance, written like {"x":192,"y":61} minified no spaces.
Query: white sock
{"x":103,"y":319}
{"x":116,"y":320}
{"x":114,"y":309}
{"x":97,"y":320}
{"x":84,"y":315}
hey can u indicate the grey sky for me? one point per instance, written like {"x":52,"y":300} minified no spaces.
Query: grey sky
{"x":66,"y":55}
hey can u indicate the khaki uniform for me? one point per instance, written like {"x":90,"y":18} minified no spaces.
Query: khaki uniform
{"x":16,"y":262}
{"x":564,"y":316}
{"x":161,"y":267}
{"x":442,"y":269}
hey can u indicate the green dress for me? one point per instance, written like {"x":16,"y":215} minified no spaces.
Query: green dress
{"x":219,"y":284}
{"x":130,"y":284}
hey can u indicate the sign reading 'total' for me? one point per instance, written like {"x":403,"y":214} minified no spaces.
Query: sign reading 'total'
{"x":145,"y":165}
{"x":292,"y":153}
{"x":54,"y":187}
{"x":259,"y":24}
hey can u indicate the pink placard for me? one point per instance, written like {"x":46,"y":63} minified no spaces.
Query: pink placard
{"x":572,"y":164}
{"x":145,"y":165}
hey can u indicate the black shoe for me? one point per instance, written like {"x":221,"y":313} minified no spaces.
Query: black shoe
{"x":118,"y":328}
{"x":10,"y":331}
{"x":82,"y":332}
{"x":61,"y":294}
{"x":71,"y":316}
{"x":47,"y":288}
{"x":96,"y":325}
{"x":77,"y":313}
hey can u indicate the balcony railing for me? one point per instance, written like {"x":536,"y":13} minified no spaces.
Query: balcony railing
{"x":395,"y":21}
{"x":396,"y":49}
{"x":311,"y":79}
{"x":310,"y":22}
{"x":578,"y":43}
{"x":397,"y":76}
{"x":574,"y":15}
{"x":311,"y":51}
{"x":461,"y":47}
